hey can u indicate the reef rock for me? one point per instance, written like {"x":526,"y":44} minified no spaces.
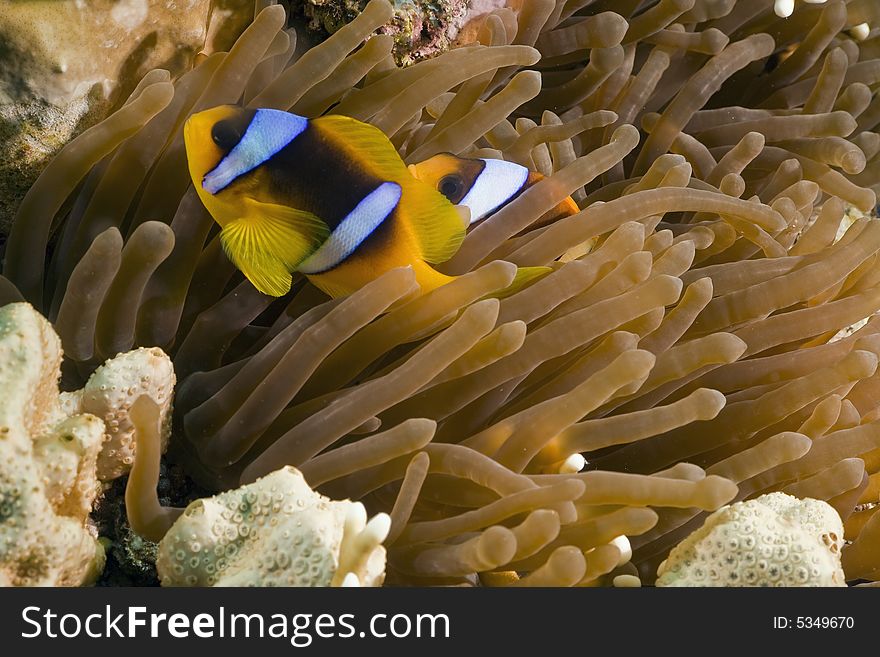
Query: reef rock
{"x":109,"y":394}
{"x":65,"y":64}
{"x":276,"y":531}
{"x":47,"y":462}
{"x":420,"y":28}
{"x":773,"y":540}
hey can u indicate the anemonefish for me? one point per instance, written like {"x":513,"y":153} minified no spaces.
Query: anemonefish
{"x":328,"y":197}
{"x":484,"y":185}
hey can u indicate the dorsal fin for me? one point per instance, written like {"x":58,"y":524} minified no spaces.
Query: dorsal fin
{"x":436,"y":226}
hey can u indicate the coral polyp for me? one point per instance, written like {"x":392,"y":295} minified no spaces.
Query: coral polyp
{"x":772,"y":540}
{"x":706,"y":333}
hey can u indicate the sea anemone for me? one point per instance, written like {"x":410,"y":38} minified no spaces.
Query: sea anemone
{"x":699,"y":340}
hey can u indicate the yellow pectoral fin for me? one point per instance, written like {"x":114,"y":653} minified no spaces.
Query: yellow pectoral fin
{"x":269,"y":242}
{"x":267,"y":274}
{"x":289,"y":234}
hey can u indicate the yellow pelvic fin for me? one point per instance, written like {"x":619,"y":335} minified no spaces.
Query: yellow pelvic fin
{"x":436,"y":226}
{"x":270,"y":241}
{"x":349,"y":277}
{"x":525,"y":276}
{"x":429,"y":278}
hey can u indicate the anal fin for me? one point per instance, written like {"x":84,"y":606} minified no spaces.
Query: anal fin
{"x":525,"y":276}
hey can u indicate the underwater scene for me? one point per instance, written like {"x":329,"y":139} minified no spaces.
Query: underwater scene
{"x":483,"y":293}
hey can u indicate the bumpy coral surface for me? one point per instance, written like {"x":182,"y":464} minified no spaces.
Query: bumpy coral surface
{"x":274,"y":532}
{"x":773,"y":540}
{"x":109,"y":394}
{"x":47,"y":462}
{"x":31,"y":132}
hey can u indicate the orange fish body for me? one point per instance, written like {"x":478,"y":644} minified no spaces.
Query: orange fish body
{"x":328,"y":197}
{"x":484,"y":185}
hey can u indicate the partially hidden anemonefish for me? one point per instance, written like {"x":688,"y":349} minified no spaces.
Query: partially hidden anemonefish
{"x":328,"y":197}
{"x":484,"y":185}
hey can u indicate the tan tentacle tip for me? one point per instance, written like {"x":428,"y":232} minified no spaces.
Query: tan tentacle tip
{"x":622,"y":543}
{"x":860,"y":32}
{"x":574,"y":463}
{"x":785,"y":8}
{"x":376,"y":530}
{"x":351,"y":581}
{"x":626,"y":582}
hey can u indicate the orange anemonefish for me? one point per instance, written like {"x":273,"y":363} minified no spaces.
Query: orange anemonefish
{"x":327,"y":197}
{"x":484,"y":185}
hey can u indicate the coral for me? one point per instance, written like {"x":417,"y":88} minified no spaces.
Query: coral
{"x":274,"y":532}
{"x":687,"y":346}
{"x":772,"y":540}
{"x":31,"y":132}
{"x":420,"y":28}
{"x":109,"y":394}
{"x":131,"y":558}
{"x":71,"y":440}
{"x":227,"y":19}
{"x":47,"y":463}
{"x":51,"y":50}
{"x":58,"y":78}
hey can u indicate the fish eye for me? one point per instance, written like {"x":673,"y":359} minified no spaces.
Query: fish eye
{"x":225,"y":135}
{"x":452,"y":187}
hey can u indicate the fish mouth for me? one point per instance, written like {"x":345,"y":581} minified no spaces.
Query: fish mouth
{"x":190,"y":138}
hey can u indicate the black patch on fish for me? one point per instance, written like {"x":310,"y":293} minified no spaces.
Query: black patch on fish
{"x":312,"y":173}
{"x":228,"y":132}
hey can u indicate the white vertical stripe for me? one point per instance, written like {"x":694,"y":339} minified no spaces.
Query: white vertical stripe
{"x":497,"y":183}
{"x":357,"y":226}
{"x":268,"y":133}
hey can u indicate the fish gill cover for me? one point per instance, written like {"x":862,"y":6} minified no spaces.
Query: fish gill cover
{"x":699,"y":341}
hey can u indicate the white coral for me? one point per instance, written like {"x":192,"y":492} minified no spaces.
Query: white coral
{"x":47,"y":462}
{"x":276,"y":531}
{"x":109,"y":394}
{"x":54,"y":447}
{"x":773,"y":540}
